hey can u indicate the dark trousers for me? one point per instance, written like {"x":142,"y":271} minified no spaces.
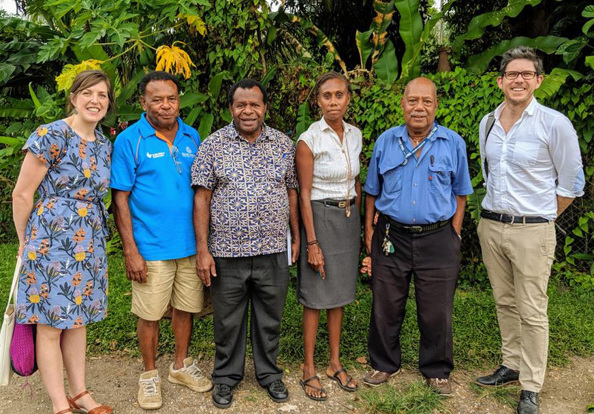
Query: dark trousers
{"x":434,"y":258}
{"x":263,"y":281}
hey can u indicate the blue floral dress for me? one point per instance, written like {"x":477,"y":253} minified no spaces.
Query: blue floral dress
{"x":63,"y":280}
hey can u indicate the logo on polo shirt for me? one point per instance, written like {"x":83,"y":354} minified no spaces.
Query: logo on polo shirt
{"x":155,"y":155}
{"x":188,"y":153}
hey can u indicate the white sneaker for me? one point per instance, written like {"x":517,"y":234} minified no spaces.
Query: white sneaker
{"x":149,"y":390}
{"x":190,"y":376}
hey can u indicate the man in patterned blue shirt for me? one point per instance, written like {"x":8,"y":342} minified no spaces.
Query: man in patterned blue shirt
{"x":245,"y":199}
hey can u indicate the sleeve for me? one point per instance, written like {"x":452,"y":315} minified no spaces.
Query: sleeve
{"x":48,"y":144}
{"x":291,"y":176}
{"x":203,"y":174}
{"x":461,"y":183}
{"x":123,"y":164}
{"x":373,"y":185}
{"x":308,"y":138}
{"x":565,"y":151}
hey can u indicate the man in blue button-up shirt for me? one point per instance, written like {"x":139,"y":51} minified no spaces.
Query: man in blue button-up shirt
{"x":418,"y":181}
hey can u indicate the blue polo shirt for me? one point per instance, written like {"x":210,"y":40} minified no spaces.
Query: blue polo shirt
{"x":161,"y":196}
{"x":423,"y":190}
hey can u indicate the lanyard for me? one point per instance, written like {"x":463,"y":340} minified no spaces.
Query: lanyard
{"x":407,"y":153}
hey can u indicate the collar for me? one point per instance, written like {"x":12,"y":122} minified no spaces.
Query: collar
{"x":147,"y":130}
{"x":264,"y":134}
{"x":529,"y":110}
{"x":324,"y":125}
{"x":440,"y":133}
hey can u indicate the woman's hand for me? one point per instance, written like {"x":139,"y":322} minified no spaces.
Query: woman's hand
{"x":315,"y":258}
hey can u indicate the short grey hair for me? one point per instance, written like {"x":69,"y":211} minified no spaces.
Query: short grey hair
{"x":521,"y":52}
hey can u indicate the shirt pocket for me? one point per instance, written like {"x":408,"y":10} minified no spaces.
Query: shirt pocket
{"x":393,"y":180}
{"x":525,"y":153}
{"x":441,"y":177}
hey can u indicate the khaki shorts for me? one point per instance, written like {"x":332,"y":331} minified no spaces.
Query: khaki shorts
{"x":168,"y":281}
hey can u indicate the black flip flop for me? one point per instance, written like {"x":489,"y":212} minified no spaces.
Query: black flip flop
{"x":305,"y":383}
{"x":342,"y":385}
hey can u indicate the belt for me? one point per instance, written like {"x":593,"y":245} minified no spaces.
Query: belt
{"x":506,"y":218}
{"x":422,"y":228}
{"x":336,"y":203}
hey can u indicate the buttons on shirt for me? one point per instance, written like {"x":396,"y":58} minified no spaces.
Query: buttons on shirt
{"x":414,"y":184}
{"x":414,"y":203}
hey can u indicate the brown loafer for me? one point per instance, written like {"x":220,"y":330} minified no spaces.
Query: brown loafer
{"x":375,"y":377}
{"x":440,"y":385}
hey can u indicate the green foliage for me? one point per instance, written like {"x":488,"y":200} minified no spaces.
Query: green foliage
{"x":412,"y":398}
{"x":477,"y":25}
{"x":479,"y":63}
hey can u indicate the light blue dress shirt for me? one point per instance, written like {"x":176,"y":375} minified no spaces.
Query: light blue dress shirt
{"x":418,"y":191}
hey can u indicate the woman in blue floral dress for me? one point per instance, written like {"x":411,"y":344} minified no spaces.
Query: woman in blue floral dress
{"x":63,"y":284}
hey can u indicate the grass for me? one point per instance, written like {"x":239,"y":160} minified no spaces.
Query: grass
{"x":413,"y":398}
{"x":507,"y":395}
{"x":476,"y":334}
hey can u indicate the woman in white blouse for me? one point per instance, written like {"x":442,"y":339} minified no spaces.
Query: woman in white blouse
{"x":330,"y":194}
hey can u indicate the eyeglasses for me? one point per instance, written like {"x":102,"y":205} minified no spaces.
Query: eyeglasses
{"x":174,"y":155}
{"x":527,"y":74}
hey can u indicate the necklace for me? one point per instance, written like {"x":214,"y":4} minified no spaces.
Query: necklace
{"x":347,"y":209}
{"x":416,"y":141}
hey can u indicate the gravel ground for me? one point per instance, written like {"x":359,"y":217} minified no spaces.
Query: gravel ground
{"x":113,"y":379}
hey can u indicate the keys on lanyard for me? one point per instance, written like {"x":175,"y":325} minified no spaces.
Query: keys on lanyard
{"x":387,"y":245}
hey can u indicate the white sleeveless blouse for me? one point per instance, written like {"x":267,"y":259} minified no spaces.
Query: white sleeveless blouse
{"x":331,"y":159}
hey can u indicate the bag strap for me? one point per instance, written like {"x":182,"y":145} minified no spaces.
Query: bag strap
{"x":489,"y":127}
{"x":13,"y":287}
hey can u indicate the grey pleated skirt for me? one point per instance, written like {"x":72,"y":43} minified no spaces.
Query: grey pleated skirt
{"x":339,"y":237}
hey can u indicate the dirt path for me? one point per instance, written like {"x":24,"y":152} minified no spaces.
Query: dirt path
{"x":113,"y":379}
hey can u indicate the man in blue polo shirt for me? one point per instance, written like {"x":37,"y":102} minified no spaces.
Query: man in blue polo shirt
{"x":418,"y":181}
{"x":153,"y":203}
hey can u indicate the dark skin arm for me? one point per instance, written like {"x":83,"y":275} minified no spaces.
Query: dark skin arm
{"x":294,"y":223}
{"x":458,"y":216}
{"x":205,"y":264}
{"x":305,"y":163}
{"x":135,"y":264}
{"x":369,"y":215}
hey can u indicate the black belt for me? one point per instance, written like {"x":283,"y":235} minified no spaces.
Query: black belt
{"x":506,"y":218}
{"x":422,"y":228}
{"x":336,"y":203}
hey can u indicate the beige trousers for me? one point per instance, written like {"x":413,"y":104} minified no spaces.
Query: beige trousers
{"x":518,"y":258}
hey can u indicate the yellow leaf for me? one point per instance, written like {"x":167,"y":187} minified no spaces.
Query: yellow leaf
{"x":195,"y":22}
{"x":169,"y":58}
{"x":69,"y":73}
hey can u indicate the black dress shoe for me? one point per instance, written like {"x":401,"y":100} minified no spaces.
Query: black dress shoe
{"x":502,"y":376}
{"x":528,"y":403}
{"x":277,"y":391}
{"x":222,"y":395}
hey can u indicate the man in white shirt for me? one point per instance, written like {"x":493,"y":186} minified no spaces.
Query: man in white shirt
{"x":533,"y":171}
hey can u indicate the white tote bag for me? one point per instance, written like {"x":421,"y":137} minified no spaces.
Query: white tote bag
{"x":8,"y":328}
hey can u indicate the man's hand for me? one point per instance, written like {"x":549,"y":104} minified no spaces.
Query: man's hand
{"x":366,"y":266}
{"x":205,"y":267}
{"x":136,"y":267}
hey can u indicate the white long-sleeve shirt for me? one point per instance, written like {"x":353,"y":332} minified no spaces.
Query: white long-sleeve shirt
{"x":538,"y":159}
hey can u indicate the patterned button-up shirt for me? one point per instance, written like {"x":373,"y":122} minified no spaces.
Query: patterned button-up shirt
{"x":249,"y":211}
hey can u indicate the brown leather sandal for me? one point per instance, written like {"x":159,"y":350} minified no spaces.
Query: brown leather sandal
{"x":64,"y":411}
{"x":102,"y":409}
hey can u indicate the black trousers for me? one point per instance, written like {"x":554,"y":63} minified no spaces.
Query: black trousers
{"x":434,"y":259}
{"x":263,"y":281}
